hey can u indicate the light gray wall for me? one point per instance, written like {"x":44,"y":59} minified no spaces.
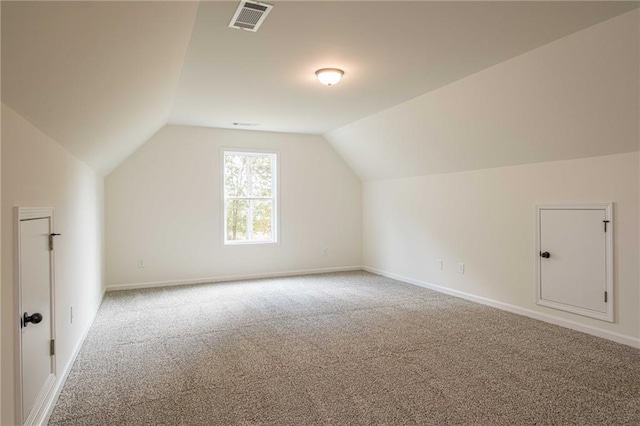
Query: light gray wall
{"x":575,"y":100}
{"x":37,"y":172}
{"x":164,"y":205}
{"x":486,"y":220}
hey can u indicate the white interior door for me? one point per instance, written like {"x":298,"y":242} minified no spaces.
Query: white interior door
{"x":38,"y":370}
{"x":574,"y":260}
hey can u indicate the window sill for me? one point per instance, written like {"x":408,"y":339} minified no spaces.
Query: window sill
{"x":249,"y":243}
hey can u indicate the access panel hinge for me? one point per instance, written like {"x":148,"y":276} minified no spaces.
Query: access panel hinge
{"x":52,"y":347}
{"x":51,"y":240}
{"x":605,"y":297}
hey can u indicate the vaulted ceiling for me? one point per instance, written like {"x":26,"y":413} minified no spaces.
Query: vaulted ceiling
{"x":576,"y":97}
{"x":102,"y":77}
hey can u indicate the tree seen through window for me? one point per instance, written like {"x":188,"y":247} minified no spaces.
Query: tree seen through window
{"x":249,"y":197}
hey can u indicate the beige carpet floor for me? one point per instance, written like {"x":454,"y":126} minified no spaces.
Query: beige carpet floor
{"x":344,"y":349}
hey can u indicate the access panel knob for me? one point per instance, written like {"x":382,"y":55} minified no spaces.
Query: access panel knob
{"x":34,"y":318}
{"x":546,"y":255}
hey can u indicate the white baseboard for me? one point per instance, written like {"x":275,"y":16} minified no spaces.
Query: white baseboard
{"x":595,"y":331}
{"x":62,"y":378}
{"x":218,"y":279}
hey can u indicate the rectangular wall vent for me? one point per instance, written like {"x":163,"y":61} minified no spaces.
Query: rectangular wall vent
{"x":250,"y":15}
{"x":237,"y":123}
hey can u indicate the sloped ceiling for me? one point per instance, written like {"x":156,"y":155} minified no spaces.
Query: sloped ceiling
{"x":576,"y":97}
{"x":390,"y":52}
{"x":101,"y":77}
{"x":97,"y":77}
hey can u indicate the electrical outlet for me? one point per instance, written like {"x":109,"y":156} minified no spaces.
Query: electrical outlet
{"x":140,"y":263}
{"x":440,"y":264}
{"x":325,"y":252}
{"x":461,"y":268}
{"x":70,"y":314}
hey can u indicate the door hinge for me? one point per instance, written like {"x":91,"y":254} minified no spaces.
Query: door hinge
{"x":605,"y":224}
{"x":52,"y":347}
{"x":605,"y":297}
{"x":51,"y":240}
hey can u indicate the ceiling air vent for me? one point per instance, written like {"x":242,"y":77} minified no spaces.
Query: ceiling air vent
{"x":250,"y":15}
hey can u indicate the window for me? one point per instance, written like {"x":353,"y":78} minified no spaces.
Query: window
{"x":250,"y":197}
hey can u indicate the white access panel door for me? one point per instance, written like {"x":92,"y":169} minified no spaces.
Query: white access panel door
{"x":36,"y":332}
{"x":574,"y":260}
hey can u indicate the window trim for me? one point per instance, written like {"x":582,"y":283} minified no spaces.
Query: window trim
{"x":275,"y":219}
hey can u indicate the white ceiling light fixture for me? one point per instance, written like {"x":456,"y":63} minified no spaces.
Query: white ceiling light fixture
{"x":329,"y":76}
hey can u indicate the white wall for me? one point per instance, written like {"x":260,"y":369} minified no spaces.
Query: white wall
{"x":638,"y":118}
{"x":575,"y":100}
{"x":0,"y":231}
{"x":38,"y":172}
{"x":163,"y":205}
{"x":486,"y":220}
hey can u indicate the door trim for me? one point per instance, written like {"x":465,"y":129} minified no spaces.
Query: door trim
{"x":35,"y":417}
{"x":609,"y":276}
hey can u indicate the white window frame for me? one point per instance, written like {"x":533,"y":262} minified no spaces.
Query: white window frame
{"x":274,"y":196}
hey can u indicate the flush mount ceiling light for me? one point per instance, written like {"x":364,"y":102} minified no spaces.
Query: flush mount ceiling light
{"x":329,"y":76}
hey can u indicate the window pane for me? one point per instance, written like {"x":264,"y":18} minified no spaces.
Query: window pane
{"x":249,"y":191}
{"x":261,"y":181}
{"x":236,"y":226}
{"x":262,"y":210}
{"x":236,"y":175}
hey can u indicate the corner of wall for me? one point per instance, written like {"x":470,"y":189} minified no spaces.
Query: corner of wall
{"x":0,"y":209}
{"x":638,"y":79}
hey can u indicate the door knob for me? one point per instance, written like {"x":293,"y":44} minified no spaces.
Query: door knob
{"x":34,"y":318}
{"x":546,"y":255}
